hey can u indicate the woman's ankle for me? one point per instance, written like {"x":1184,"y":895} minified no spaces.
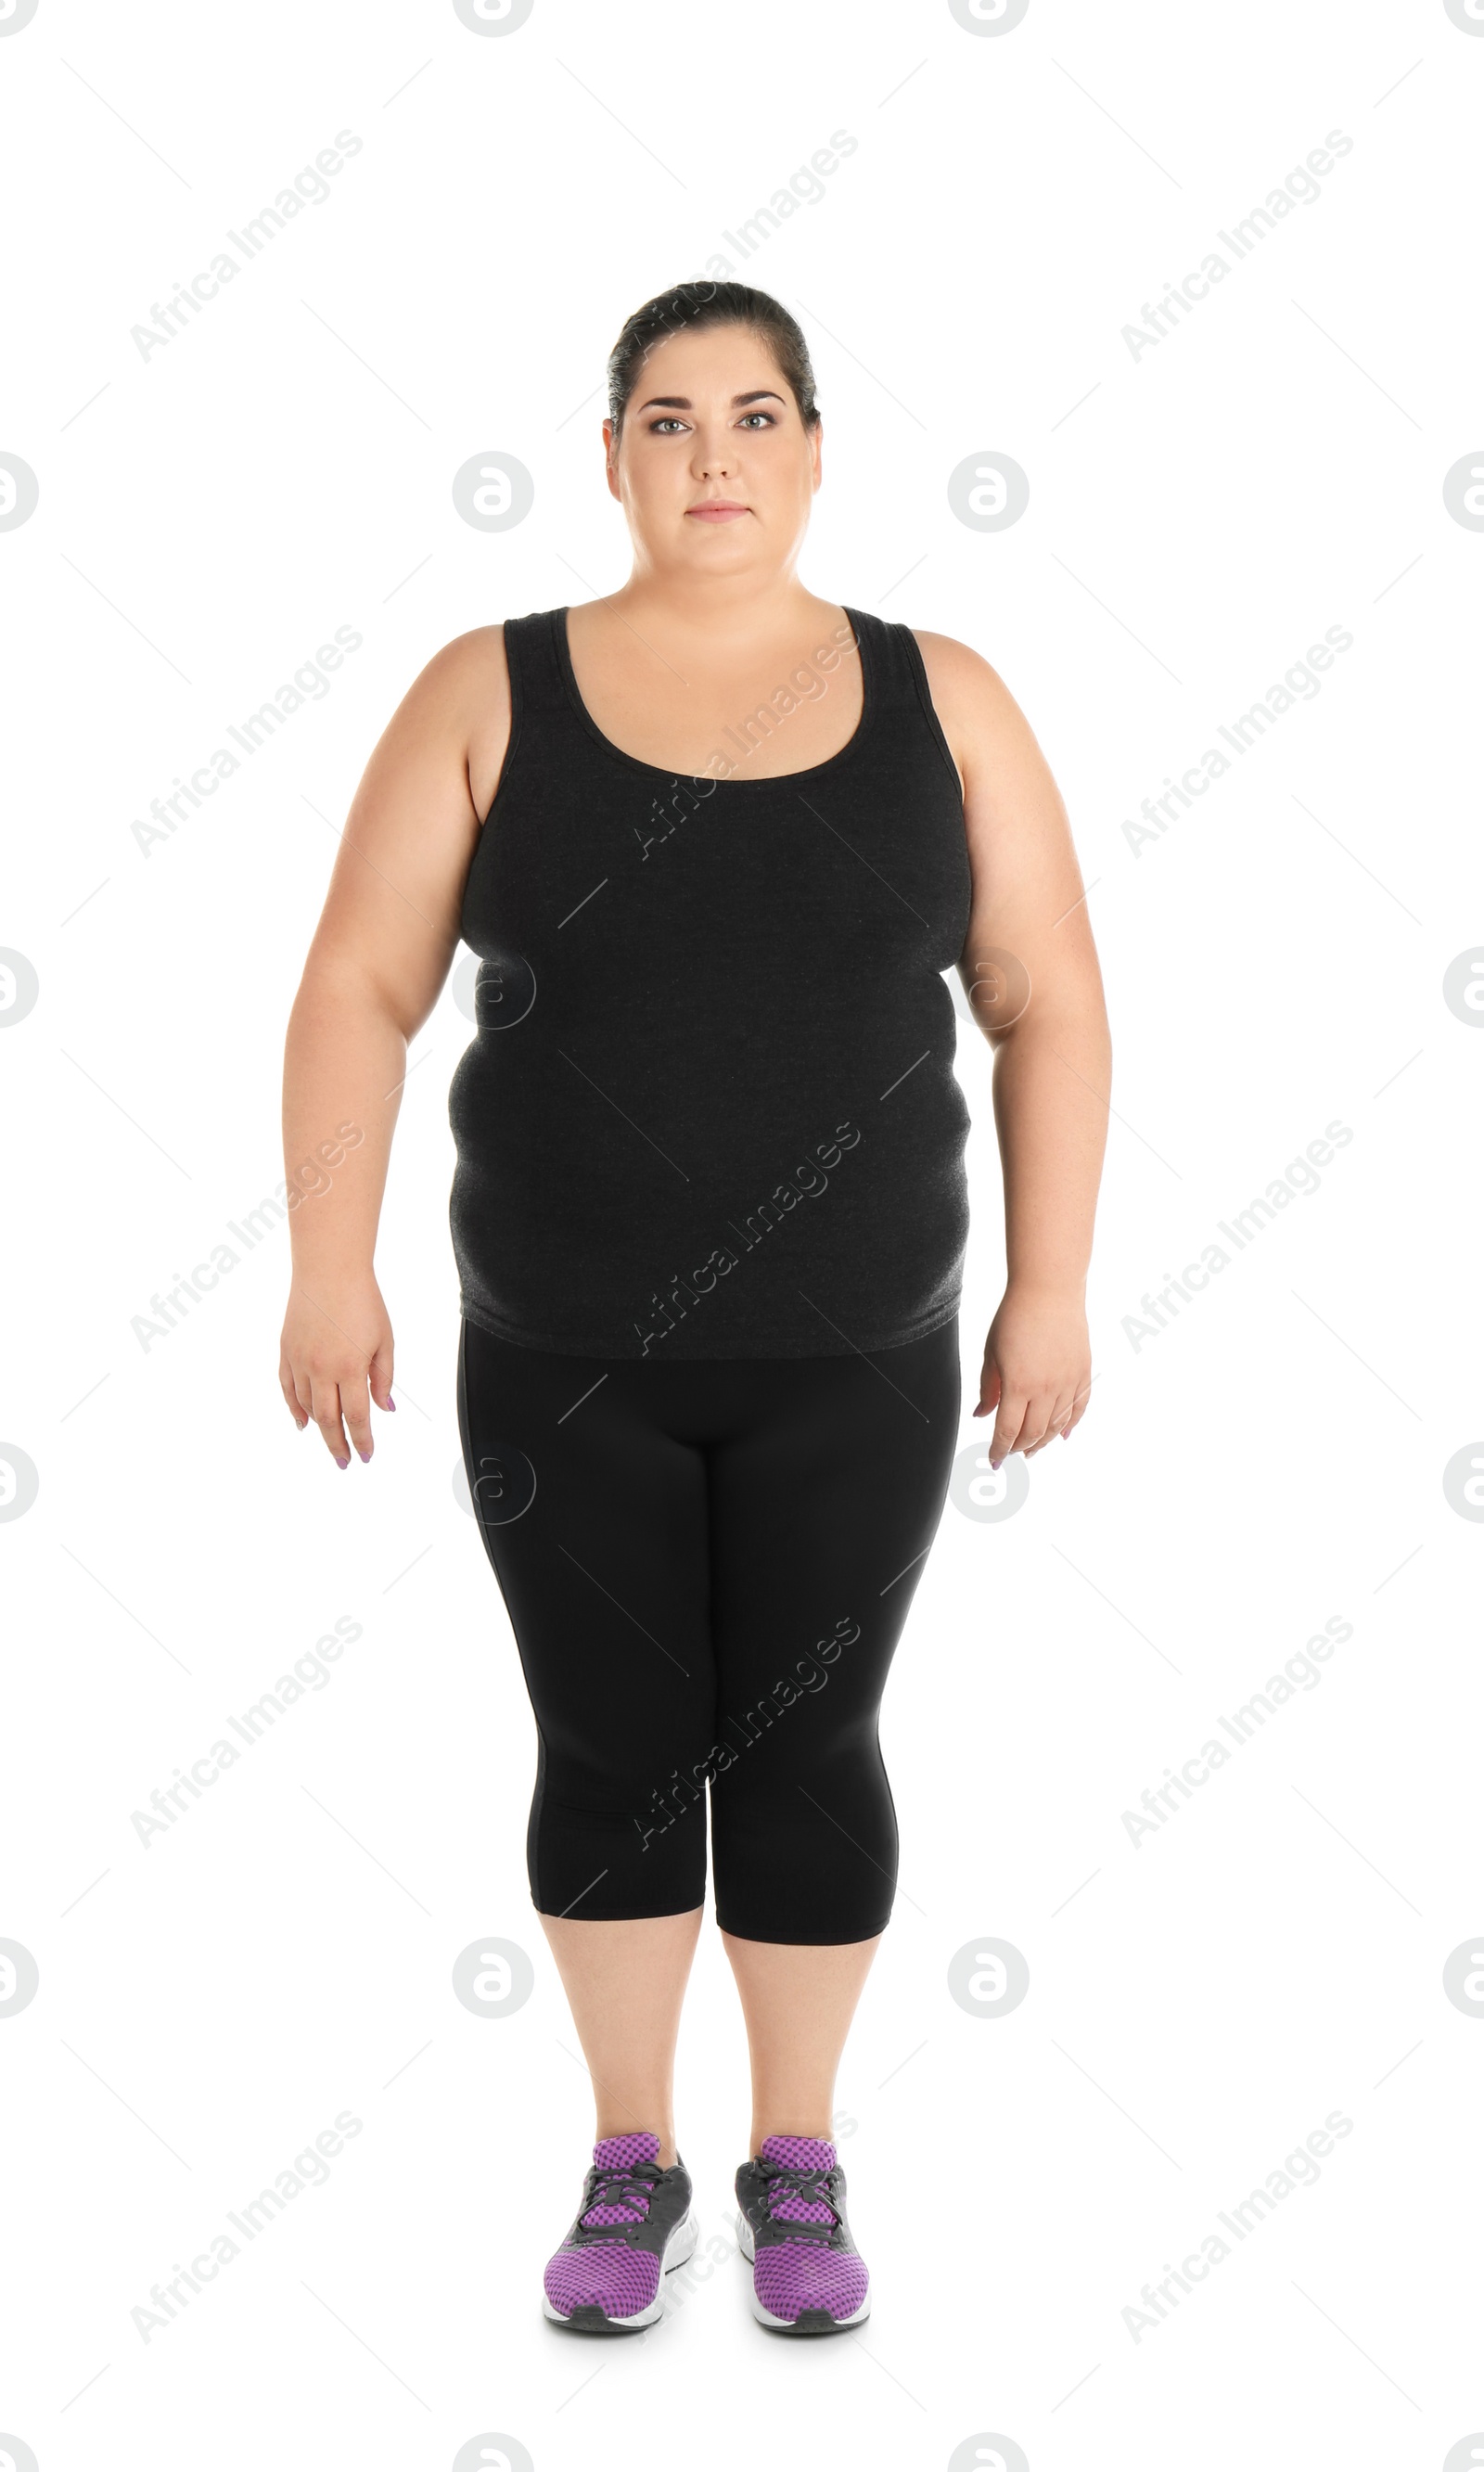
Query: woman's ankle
{"x":795,"y":2122}
{"x":626,"y":2126}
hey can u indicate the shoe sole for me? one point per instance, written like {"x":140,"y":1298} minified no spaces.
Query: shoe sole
{"x":809,"y":2321}
{"x":590,"y":2317}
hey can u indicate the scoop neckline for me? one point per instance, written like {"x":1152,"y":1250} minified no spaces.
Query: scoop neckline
{"x":764,"y":781}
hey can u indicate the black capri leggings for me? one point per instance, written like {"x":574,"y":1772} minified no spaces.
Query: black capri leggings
{"x":707,"y":1567}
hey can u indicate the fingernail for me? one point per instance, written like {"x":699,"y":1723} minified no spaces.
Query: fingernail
{"x":364,"y":1456}
{"x":391,"y":1403}
{"x":342,"y":1464}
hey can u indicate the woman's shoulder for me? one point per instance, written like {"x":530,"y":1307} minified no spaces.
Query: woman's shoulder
{"x":969,"y":693}
{"x":984,"y":726}
{"x":464,"y":686}
{"x":467,"y":684}
{"x":954,"y":665}
{"x":477,"y":656}
{"x":456,"y":713}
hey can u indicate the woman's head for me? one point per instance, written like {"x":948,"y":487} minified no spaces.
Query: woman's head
{"x":693,"y":309}
{"x":711,"y":400}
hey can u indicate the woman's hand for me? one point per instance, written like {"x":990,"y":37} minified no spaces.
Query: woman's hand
{"x":1038,"y":1369}
{"x":336,"y":1349}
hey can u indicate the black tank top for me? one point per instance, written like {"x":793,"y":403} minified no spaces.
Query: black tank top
{"x":711,"y":1109}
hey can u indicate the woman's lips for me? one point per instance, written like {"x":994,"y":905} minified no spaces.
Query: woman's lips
{"x":717,"y":511}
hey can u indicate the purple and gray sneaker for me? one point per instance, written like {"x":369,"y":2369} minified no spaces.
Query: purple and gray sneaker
{"x":808,"y":2276}
{"x":634,"y":2225}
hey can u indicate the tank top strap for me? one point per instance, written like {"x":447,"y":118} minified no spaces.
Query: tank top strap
{"x":899,"y":681}
{"x":533,"y":663}
{"x":891,"y":651}
{"x":888,"y":658}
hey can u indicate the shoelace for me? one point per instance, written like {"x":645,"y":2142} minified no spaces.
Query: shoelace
{"x":798,"y":2180}
{"x":619,"y":2189}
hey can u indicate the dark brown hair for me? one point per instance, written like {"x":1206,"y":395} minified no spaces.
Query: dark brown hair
{"x":687,"y":308}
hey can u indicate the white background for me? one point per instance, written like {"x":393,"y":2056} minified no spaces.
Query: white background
{"x":1198,"y":517}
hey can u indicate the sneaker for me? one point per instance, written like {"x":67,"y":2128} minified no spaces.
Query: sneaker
{"x":633,"y":2225}
{"x":808,"y":2276}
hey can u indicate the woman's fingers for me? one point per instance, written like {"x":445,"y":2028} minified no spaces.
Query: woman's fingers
{"x":1036,"y":1366}
{"x":355,"y":1409}
{"x":337,"y":1400}
{"x":1029,"y":1419}
{"x":1058,"y":1408}
{"x":380,"y":1374}
{"x":1080,"y":1398}
{"x":334,"y":1360}
{"x":326,"y":1409}
{"x":1006,"y":1437}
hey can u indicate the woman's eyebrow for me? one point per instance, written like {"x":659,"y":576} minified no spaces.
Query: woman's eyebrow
{"x":683,"y":403}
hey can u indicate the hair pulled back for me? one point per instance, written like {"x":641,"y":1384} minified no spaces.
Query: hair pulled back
{"x":687,"y":308}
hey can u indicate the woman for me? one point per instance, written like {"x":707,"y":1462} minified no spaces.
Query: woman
{"x":710,"y":1219}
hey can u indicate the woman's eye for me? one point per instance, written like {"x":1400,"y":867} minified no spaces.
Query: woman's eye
{"x":667,"y":422}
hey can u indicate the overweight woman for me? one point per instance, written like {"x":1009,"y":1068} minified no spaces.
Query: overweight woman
{"x":715,"y":842}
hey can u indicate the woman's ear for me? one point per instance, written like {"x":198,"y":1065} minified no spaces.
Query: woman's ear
{"x":611,"y":458}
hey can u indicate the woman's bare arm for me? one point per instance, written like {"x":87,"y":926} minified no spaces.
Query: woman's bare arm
{"x":1030,"y":969}
{"x":378,"y":959}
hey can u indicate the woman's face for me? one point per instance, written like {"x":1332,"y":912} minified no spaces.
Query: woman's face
{"x":712,"y":421}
